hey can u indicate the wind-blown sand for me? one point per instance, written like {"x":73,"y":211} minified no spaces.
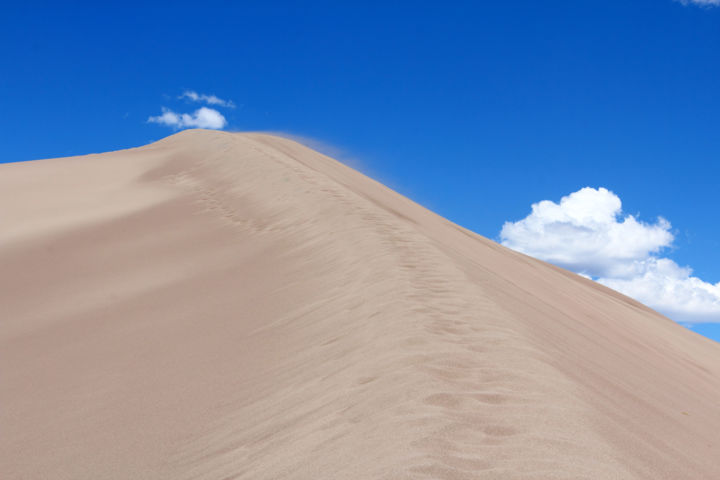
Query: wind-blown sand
{"x":237,"y":306}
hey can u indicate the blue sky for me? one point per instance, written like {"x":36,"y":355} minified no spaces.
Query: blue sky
{"x":477,"y":110}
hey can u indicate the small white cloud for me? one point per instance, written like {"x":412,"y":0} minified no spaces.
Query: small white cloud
{"x":587,"y":233}
{"x":706,"y":3}
{"x":203,"y":117}
{"x":209,"y":99}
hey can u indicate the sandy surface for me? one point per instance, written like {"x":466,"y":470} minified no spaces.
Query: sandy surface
{"x":237,"y":306}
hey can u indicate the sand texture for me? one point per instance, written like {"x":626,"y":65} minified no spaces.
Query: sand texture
{"x":223,"y":306}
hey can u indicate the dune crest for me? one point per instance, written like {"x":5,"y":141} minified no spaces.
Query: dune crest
{"x":237,"y":306}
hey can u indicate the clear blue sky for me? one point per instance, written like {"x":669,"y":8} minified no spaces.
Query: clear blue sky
{"x":474,"y":109}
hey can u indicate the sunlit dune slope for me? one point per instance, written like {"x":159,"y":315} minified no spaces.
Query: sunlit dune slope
{"x":237,"y":306}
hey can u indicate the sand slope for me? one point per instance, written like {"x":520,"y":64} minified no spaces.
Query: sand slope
{"x":238,"y":306}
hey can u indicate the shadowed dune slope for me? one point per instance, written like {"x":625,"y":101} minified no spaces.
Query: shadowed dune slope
{"x":237,"y":306}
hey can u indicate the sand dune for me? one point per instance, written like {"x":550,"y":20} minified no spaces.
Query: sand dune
{"x":237,"y":306}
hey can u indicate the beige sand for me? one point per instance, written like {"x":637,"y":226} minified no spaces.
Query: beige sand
{"x":238,"y":306}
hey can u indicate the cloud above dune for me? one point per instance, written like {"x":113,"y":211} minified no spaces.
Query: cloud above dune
{"x":587,"y":232}
{"x":203,"y":117}
{"x":208,"y":99}
{"x":672,"y":290}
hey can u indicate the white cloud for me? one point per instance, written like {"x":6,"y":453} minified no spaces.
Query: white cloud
{"x":706,"y":3}
{"x":587,"y":233}
{"x":583,"y":233}
{"x":672,"y":290}
{"x":203,"y":117}
{"x":209,"y":99}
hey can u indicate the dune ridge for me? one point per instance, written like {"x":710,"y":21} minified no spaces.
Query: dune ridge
{"x":238,"y":306}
